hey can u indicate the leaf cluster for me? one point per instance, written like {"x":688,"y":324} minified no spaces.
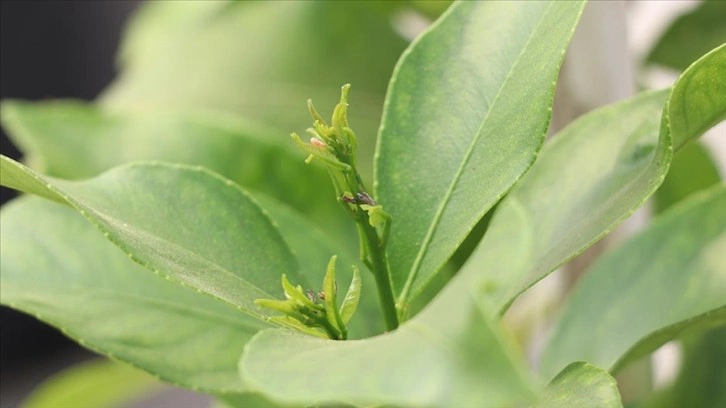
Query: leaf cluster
{"x":173,"y":263}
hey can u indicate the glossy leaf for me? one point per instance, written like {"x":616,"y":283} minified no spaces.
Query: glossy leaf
{"x":458,"y":134}
{"x":692,"y":170}
{"x":58,"y":267}
{"x":450,"y":354}
{"x":97,"y":383}
{"x":691,"y":35}
{"x":696,"y":103}
{"x":581,"y":385}
{"x":666,"y":280}
{"x":204,"y":232}
{"x":76,"y":140}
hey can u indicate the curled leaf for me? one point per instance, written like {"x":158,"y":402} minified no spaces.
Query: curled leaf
{"x":331,"y":304}
{"x":350,"y":303}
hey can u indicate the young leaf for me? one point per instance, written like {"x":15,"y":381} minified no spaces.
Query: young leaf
{"x":82,"y":284}
{"x":204,"y":232}
{"x":457,"y":135}
{"x":666,"y":280}
{"x":352,"y":297}
{"x":96,"y":383}
{"x":450,"y":354}
{"x":330,"y":289}
{"x":257,"y":158}
{"x":581,"y":385}
{"x":696,"y":102}
{"x":312,"y":248}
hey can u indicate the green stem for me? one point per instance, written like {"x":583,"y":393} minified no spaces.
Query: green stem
{"x":379,"y":267}
{"x":373,"y":255}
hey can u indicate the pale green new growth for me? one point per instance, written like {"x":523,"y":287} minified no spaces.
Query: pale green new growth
{"x":301,"y":310}
{"x":335,"y":146}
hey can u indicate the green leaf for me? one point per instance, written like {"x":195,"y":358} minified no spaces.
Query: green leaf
{"x":692,"y":170}
{"x":352,"y":297}
{"x":697,"y":100}
{"x":259,"y":59}
{"x":581,"y":385}
{"x":76,"y":140}
{"x":450,"y":354}
{"x":330,"y":288}
{"x":702,"y":378}
{"x":691,"y":35}
{"x":57,"y":267}
{"x":587,"y":179}
{"x":595,"y":173}
{"x":184,"y":223}
{"x":668,"y":279}
{"x":97,"y":383}
{"x":458,"y":134}
{"x":313,"y":248}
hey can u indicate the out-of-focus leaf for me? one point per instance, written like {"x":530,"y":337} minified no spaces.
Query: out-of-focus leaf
{"x":666,"y":280}
{"x":187,"y":224}
{"x":259,"y":59}
{"x":581,"y":385}
{"x":691,"y":35}
{"x":467,"y":110}
{"x":58,"y":267}
{"x":98,"y":383}
{"x":692,"y":170}
{"x":74,"y":140}
{"x":702,"y":379}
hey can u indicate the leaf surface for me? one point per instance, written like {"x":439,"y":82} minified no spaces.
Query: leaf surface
{"x":697,"y":100}
{"x":185,"y":223}
{"x":451,"y":354}
{"x":76,"y":140}
{"x":581,"y":385}
{"x":466,"y":112}
{"x":592,"y":175}
{"x":57,"y":267}
{"x":666,"y":280}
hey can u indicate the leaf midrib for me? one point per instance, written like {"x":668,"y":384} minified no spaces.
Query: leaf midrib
{"x":413,"y":273}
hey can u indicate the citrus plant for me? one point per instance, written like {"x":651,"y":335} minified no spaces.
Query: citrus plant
{"x":220,"y":266}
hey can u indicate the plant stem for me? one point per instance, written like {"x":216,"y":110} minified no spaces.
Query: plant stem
{"x":379,"y":267}
{"x":373,"y":254}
